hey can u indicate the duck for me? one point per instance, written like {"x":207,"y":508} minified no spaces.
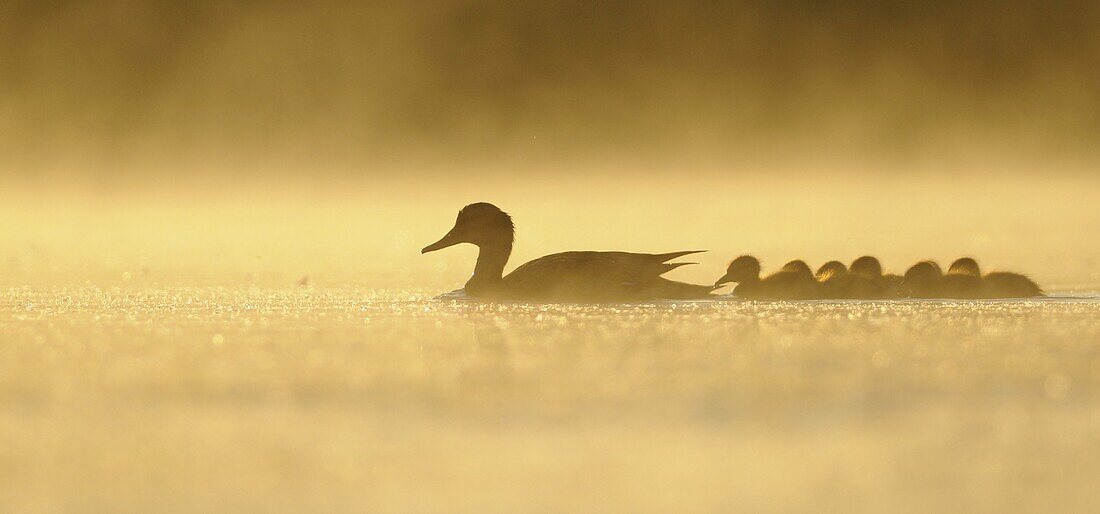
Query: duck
{"x":1006,"y":284}
{"x":568,"y":277}
{"x":963,"y":280}
{"x":873,"y":283}
{"x":798,"y":266}
{"x":830,"y":269}
{"x":922,"y":280}
{"x":834,"y":280}
{"x":968,"y":281}
{"x":781,"y":285}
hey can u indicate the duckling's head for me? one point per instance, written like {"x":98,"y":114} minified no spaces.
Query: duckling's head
{"x":479,"y":224}
{"x":745,"y":267}
{"x":923,"y":273}
{"x":798,"y":266}
{"x":831,"y":269}
{"x":866,"y":266}
{"x":965,"y":266}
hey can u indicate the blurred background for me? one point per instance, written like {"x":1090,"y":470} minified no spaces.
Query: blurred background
{"x":272,"y":143}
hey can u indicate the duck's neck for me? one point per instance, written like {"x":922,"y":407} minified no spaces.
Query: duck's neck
{"x":491,"y":259}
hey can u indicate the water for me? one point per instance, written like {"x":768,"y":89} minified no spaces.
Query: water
{"x":143,"y":398}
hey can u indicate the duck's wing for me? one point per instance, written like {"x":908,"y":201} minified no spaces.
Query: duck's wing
{"x":600,"y":276}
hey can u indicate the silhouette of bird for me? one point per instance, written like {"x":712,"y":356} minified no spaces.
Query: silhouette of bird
{"x":922,"y":280}
{"x":834,"y":279}
{"x":871,"y":282}
{"x":781,"y":285}
{"x":866,"y":266}
{"x":1003,"y":284}
{"x":830,"y":269}
{"x":968,"y":282}
{"x":560,"y":277}
{"x":965,"y":266}
{"x":963,"y":280}
{"x":798,"y":266}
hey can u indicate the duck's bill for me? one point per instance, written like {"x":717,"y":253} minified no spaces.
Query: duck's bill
{"x":448,"y":240}
{"x":722,"y":281}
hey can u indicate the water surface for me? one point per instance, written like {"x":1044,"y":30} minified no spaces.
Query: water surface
{"x":147,"y":399}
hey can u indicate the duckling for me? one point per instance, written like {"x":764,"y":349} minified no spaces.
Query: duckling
{"x":781,"y":285}
{"x":1003,"y":284}
{"x":830,"y":269}
{"x":834,"y":280}
{"x":963,"y":280}
{"x":882,"y":285}
{"x":866,"y":266}
{"x":922,"y":280}
{"x":560,"y":277}
{"x":998,"y":284}
{"x":867,"y":280}
{"x":798,"y":266}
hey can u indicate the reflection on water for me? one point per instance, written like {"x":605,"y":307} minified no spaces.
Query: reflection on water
{"x":287,"y":400}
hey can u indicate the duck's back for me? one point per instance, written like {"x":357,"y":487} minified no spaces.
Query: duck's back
{"x":599,"y":277}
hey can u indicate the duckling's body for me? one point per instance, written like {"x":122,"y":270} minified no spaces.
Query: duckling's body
{"x":781,"y":285}
{"x":1003,"y":284}
{"x":560,"y":277}
{"x":835,"y":282}
{"x":893,"y":286}
{"x":963,"y":280}
{"x":869,"y":283}
{"x":922,"y":280}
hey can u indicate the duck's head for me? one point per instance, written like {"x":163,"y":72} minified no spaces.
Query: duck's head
{"x":479,"y":224}
{"x":745,"y":267}
{"x":831,"y":269}
{"x":866,"y":266}
{"x":965,"y":266}
{"x":798,"y":266}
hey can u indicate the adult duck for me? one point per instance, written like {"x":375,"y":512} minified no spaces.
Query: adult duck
{"x":561,"y":277}
{"x":781,"y":285}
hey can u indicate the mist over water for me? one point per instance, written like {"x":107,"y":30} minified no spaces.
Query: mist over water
{"x":157,"y":89}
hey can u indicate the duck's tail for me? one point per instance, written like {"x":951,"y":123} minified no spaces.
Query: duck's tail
{"x":665,"y":257}
{"x":669,"y":266}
